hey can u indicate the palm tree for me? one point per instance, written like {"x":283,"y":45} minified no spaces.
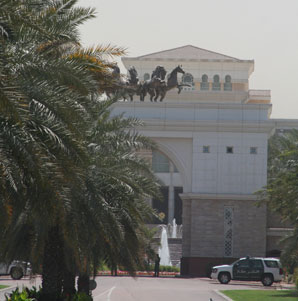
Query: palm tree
{"x":46,"y":80}
{"x":62,"y":183}
{"x":118,"y":183}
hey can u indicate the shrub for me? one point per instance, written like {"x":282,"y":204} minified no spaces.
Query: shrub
{"x":295,"y":277}
{"x":16,"y":295}
{"x":167,"y":268}
{"x":35,"y":295}
{"x":81,"y":297}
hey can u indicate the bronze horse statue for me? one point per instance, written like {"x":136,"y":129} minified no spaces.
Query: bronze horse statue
{"x":124,"y":89}
{"x":158,"y":87}
{"x":172,"y":83}
{"x":151,"y":86}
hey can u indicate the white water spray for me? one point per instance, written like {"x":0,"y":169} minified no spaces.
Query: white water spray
{"x":174,"y":229}
{"x":163,"y":250}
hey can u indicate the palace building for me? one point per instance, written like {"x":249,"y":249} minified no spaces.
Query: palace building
{"x":211,"y":156}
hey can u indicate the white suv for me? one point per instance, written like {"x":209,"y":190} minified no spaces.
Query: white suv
{"x":17,"y":269}
{"x":267,"y":270}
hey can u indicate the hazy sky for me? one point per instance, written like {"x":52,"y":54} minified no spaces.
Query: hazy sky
{"x":263,"y":30}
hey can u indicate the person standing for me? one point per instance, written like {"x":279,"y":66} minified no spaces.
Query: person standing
{"x":156,"y":266}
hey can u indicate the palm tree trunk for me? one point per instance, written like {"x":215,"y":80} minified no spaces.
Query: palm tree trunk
{"x":52,"y":266}
{"x":69,"y":276}
{"x":83,"y":283}
{"x":69,"y":282}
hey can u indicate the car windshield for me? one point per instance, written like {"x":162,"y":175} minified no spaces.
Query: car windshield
{"x":235,"y":261}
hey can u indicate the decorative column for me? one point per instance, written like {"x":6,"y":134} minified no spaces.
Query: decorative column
{"x":171,"y":201}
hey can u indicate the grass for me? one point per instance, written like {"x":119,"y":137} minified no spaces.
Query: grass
{"x":262,"y":295}
{"x":3,"y":286}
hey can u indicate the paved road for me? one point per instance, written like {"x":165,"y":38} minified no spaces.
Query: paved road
{"x":163,"y":289}
{"x":150,"y":288}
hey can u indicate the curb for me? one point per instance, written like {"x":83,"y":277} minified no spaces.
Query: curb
{"x":222,"y":295}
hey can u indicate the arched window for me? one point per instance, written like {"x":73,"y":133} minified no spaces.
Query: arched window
{"x":188,"y":79}
{"x":161,"y":163}
{"x":146,"y":76}
{"x":228,"y":83}
{"x":204,"y":83}
{"x":216,"y":83}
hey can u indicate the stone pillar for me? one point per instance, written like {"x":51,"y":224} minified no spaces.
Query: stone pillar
{"x":171,"y":199}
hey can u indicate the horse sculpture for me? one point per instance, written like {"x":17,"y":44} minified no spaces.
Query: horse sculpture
{"x":172,"y":83}
{"x":124,"y":89}
{"x":152,"y":86}
{"x":156,"y":87}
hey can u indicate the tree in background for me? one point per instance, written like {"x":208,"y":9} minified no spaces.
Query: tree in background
{"x":281,"y":193}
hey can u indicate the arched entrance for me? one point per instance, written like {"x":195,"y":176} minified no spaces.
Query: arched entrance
{"x":170,"y":206}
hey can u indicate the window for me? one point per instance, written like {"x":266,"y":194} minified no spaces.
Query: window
{"x":244,"y":263}
{"x":178,"y":205}
{"x":228,"y":231}
{"x":229,"y":150}
{"x":206,"y":149}
{"x":271,"y":263}
{"x":253,"y":150}
{"x":187,"y":79}
{"x":204,"y":83}
{"x":256,"y":263}
{"x":216,"y":83}
{"x":228,"y":83}
{"x":146,"y":76}
{"x":161,"y":206}
{"x":160,"y":163}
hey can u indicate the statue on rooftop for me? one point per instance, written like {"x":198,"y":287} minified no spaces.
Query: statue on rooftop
{"x":157,"y":86}
{"x":121,"y":88}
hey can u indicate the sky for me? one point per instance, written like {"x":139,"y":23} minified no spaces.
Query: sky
{"x":263,"y":30}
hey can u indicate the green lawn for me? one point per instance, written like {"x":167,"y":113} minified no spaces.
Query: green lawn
{"x":264,"y":295}
{"x":3,"y":286}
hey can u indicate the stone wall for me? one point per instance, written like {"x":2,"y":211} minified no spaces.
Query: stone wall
{"x":203,"y":235}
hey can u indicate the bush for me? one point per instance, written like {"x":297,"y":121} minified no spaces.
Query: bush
{"x":35,"y":295}
{"x":162,"y":268}
{"x":81,"y":297}
{"x":25,"y":295}
{"x":295,"y":277}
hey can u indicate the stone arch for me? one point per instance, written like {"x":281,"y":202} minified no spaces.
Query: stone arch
{"x":171,"y":154}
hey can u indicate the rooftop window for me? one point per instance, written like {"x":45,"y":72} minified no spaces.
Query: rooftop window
{"x":205,"y":83}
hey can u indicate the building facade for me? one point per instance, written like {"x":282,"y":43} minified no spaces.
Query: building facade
{"x":212,"y":155}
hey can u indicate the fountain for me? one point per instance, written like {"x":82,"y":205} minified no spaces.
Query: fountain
{"x":163,"y":250}
{"x":174,"y":229}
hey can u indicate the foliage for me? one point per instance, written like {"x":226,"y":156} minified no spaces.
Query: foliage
{"x":264,"y":295}
{"x":281,"y":192}
{"x":295,"y":277}
{"x":81,"y":297}
{"x":73,"y":189}
{"x":24,"y":295}
{"x":164,"y":268}
{"x":35,"y":295}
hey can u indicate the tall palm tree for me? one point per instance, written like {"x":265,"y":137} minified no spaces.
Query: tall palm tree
{"x":114,"y":207}
{"x":46,"y":80}
{"x":62,"y":183}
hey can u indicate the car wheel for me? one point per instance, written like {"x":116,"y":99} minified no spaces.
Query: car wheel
{"x":267,"y":280}
{"x":16,"y":273}
{"x":224,"y":278}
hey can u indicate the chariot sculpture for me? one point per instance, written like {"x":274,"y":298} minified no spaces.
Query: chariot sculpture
{"x":157,"y":86}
